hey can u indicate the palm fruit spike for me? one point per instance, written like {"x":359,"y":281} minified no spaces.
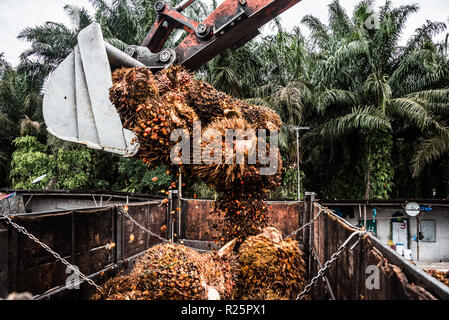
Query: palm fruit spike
{"x":152,"y":106}
{"x":174,"y":272}
{"x":270,"y":268}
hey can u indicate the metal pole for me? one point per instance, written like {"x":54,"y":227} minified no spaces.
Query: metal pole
{"x":417,"y":237}
{"x":297,"y":163}
{"x":297,"y":129}
{"x":311,"y":235}
{"x":306,"y":218}
{"x":364,"y":218}
{"x":179,"y":204}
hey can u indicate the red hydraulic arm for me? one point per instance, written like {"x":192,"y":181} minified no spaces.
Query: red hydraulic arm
{"x":231,"y":25}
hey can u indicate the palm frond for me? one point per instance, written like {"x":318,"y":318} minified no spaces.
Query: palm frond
{"x":331,"y":97}
{"x":79,"y":16}
{"x":416,"y":114}
{"x":364,"y":118}
{"x":119,"y":44}
{"x":427,"y":152}
{"x":377,"y":89}
{"x":339,"y":21}
{"x":319,"y":30}
{"x":425,"y":33}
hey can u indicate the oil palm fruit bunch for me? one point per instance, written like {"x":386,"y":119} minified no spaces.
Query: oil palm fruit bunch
{"x":152,"y":106}
{"x":442,"y":276}
{"x":170,"y":272}
{"x":131,"y":89}
{"x":239,"y":177}
{"x":175,"y":78}
{"x":220,"y":272}
{"x":270,"y":267}
{"x":180,"y":272}
{"x":216,"y":168}
{"x":204,"y":99}
{"x":241,"y":186}
{"x":265,"y":267}
{"x":174,"y":272}
{"x":120,"y":288}
{"x":210,"y":104}
{"x":243,"y":218}
{"x":150,"y":115}
{"x":260,"y":117}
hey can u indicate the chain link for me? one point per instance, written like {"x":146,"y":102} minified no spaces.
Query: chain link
{"x":53,"y":253}
{"x":307,"y":224}
{"x":328,"y":264}
{"x":127,"y":215}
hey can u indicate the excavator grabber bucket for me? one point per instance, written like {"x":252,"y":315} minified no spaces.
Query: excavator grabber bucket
{"x":76,"y":104}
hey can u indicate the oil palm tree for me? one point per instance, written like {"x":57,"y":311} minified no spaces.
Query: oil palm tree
{"x":284,"y":82}
{"x":20,"y":110}
{"x":234,"y":71}
{"x":368,"y":86}
{"x":3,"y":64}
{"x":434,"y":147}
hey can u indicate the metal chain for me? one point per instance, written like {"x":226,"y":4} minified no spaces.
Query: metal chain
{"x":307,"y":224}
{"x":126,"y":214}
{"x":328,"y":264}
{"x":53,"y":253}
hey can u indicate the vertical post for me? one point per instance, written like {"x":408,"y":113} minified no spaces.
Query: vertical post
{"x":4,"y":271}
{"x":73,"y":238}
{"x":305,"y":219}
{"x":360,"y":284}
{"x":169,"y":219}
{"x":114,"y":233}
{"x":364,"y":217}
{"x":180,"y":184}
{"x":297,"y":164}
{"x":172,"y":207}
{"x":12,"y":262}
{"x":119,"y":237}
{"x":148,"y":212}
{"x":11,"y":256}
{"x":178,"y":209}
{"x":308,"y":236}
{"x":326,"y":243}
{"x":417,"y":237}
{"x":311,"y":235}
{"x":297,"y":129}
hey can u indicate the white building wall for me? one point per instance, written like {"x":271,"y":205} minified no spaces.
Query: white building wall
{"x":437,"y":251}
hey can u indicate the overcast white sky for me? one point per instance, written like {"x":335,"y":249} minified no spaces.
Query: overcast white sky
{"x":16,"y":15}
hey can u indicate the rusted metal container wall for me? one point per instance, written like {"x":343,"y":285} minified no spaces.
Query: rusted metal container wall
{"x":201,"y":224}
{"x":82,"y":238}
{"x":346,"y":279}
{"x":135,"y":240}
